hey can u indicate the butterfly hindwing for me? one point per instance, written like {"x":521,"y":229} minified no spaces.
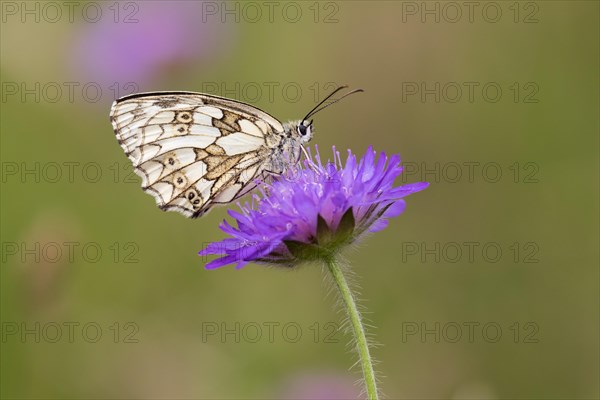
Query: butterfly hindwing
{"x":193,"y":150}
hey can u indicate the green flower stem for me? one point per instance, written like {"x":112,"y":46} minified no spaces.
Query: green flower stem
{"x":357,"y":327}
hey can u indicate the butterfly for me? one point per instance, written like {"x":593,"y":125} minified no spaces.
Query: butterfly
{"x":194,"y":150}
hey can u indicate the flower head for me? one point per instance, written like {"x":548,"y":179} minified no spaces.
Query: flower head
{"x":315,"y":211}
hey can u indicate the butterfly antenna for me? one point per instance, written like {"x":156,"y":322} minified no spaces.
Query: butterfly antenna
{"x":317,"y":109}
{"x":323,"y":101}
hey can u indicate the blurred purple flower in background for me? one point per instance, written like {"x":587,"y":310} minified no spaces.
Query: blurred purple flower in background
{"x":166,"y":36}
{"x":315,"y":213}
{"x":320,"y":386}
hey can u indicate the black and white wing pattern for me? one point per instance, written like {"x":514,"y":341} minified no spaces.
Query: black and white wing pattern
{"x":194,"y":150}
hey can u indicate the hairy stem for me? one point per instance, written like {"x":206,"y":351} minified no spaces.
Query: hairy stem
{"x":357,"y":327}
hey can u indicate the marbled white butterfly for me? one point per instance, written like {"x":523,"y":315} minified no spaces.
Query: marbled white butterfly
{"x":195,"y":150}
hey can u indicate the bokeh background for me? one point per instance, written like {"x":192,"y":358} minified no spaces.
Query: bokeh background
{"x":104,"y":296}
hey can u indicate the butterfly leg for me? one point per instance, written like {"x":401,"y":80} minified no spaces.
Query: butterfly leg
{"x":269,"y":177}
{"x":309,"y":161}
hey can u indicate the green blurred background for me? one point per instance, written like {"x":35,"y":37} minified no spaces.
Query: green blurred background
{"x":67,"y":184}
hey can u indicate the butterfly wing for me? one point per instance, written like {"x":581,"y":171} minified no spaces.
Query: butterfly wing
{"x":194,"y":150}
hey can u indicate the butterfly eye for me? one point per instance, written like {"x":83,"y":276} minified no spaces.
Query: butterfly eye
{"x":302,"y":129}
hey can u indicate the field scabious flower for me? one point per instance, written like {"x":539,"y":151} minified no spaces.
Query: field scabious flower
{"x":311,"y":214}
{"x":315,"y":211}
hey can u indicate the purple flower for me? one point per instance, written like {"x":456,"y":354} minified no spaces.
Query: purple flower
{"x":316,"y":212}
{"x":320,"y":385}
{"x":144,"y":43}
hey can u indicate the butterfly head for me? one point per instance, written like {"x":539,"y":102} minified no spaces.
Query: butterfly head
{"x":305,"y":130}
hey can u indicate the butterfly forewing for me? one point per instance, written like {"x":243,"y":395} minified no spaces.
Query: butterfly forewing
{"x":194,"y":150}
